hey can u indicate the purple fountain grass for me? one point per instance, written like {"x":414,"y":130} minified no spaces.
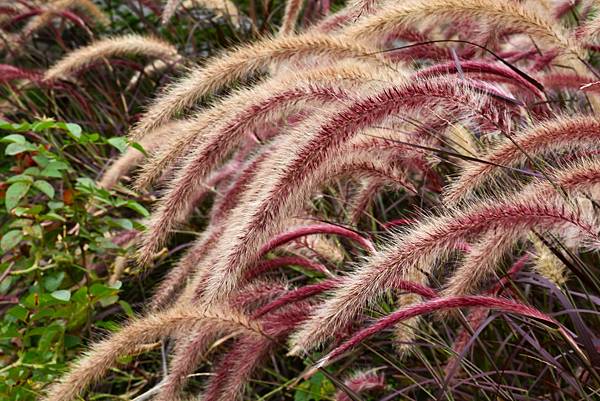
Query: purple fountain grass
{"x":482,"y":259}
{"x":154,"y":68}
{"x":186,"y":357}
{"x":350,"y":162}
{"x":192,"y":347}
{"x":111,"y":47}
{"x":290,"y":16}
{"x":200,"y":192}
{"x":479,"y":67}
{"x":257,"y":105}
{"x":152,"y":6}
{"x":386,"y":173}
{"x":9,"y":9}
{"x":257,"y":293}
{"x":401,"y":95}
{"x":582,"y":175}
{"x":241,"y":63}
{"x":271,"y":264}
{"x":103,"y":355}
{"x":365,"y":7}
{"x":237,"y":366}
{"x":302,"y":231}
{"x":398,"y":222}
{"x":567,"y":81}
{"x":316,"y":149}
{"x":334,"y":21}
{"x":405,"y":154}
{"x":481,"y":262}
{"x":10,"y":73}
{"x":589,"y":32}
{"x":351,"y":13}
{"x":296,"y":295}
{"x":361,"y":382}
{"x":261,"y":104}
{"x":499,"y":14}
{"x":411,"y":255}
{"x":171,"y":208}
{"x":561,"y":134}
{"x":235,"y":191}
{"x":476,"y":318}
{"x":361,"y":200}
{"x":435,"y":305}
{"x":42,"y":18}
{"x":185,"y":267}
{"x":564,"y":8}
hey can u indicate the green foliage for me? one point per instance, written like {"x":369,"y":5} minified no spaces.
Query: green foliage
{"x":56,"y":229}
{"x":317,"y":388}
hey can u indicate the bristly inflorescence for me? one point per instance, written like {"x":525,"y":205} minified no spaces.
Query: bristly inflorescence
{"x":300,"y":143}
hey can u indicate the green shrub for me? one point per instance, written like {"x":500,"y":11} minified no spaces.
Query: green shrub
{"x":59,"y":239}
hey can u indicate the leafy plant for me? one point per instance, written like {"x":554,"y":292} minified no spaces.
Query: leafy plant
{"x":59,"y":238}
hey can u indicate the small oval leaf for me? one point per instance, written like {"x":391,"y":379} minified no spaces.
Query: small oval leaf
{"x":45,"y":187}
{"x":11,"y":239}
{"x":62,"y":295}
{"x":15,"y":193}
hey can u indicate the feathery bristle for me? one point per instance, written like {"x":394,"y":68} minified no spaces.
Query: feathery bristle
{"x":111,"y":47}
{"x":495,"y":13}
{"x":555,"y":135}
{"x":411,"y":255}
{"x":239,"y":64}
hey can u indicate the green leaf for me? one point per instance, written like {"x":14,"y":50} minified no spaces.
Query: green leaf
{"x":127,"y":308}
{"x":108,"y":325}
{"x":53,"y":205}
{"x":133,"y":205}
{"x":20,"y":223}
{"x":80,"y":295}
{"x":52,"y":282}
{"x":53,"y":169}
{"x":9,"y":331}
{"x":47,"y":337}
{"x":16,"y":148}
{"x":74,"y":130}
{"x":139,"y":147}
{"x":32,"y":171}
{"x":72,"y":341}
{"x":107,"y":301}
{"x":45,"y":187}
{"x":15,"y":193}
{"x":20,"y":177}
{"x":20,"y":127}
{"x":5,"y":125}
{"x":18,"y":312}
{"x":14,"y":138}
{"x":62,"y":295}
{"x":43,"y":125}
{"x":86,"y":182}
{"x":54,"y":216}
{"x":118,"y":142}
{"x":10,"y":240}
{"x":125,"y":224}
{"x":101,"y":291}
{"x":41,"y":160}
